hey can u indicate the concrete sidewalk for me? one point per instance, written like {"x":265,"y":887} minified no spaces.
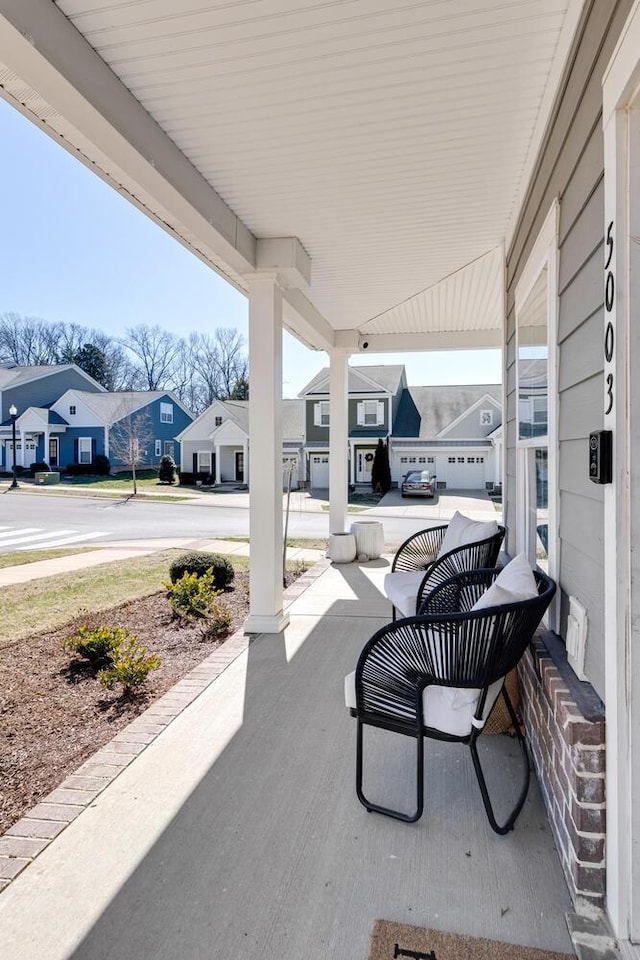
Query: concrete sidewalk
{"x":138,"y":548}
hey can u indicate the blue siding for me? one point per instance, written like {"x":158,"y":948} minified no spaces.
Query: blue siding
{"x":67,"y":454}
{"x":164,"y":432}
{"x":44,"y":391}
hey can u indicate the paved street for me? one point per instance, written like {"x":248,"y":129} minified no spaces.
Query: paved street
{"x":36,"y":520}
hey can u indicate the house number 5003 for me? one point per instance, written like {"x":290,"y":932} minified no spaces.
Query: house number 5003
{"x":609,"y":298}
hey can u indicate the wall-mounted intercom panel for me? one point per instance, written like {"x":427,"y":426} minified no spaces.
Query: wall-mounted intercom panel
{"x":600,"y":456}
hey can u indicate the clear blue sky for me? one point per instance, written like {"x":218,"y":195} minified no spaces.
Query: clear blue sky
{"x":75,"y":250}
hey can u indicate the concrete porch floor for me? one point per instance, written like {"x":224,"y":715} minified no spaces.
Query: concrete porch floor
{"x":238,"y":832}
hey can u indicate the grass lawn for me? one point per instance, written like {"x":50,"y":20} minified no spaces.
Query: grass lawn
{"x":309,"y":543}
{"x":45,"y":604}
{"x":16,"y":559}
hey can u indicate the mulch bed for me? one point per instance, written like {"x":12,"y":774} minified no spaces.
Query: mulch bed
{"x":54,"y":713}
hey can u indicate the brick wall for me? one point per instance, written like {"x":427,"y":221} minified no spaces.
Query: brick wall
{"x":564,"y":720}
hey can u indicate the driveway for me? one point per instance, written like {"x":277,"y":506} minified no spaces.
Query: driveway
{"x":473,"y":503}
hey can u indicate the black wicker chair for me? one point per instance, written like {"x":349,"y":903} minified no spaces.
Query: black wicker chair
{"x":464,"y":649}
{"x":420,"y":552}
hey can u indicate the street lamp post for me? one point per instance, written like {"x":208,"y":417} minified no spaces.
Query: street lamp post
{"x":13,"y":413}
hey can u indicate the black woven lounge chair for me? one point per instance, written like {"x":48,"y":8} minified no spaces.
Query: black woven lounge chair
{"x":420,"y":552}
{"x":465,"y":650}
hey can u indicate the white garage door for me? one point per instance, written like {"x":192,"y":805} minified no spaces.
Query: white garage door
{"x":464,"y":472}
{"x":320,"y":470}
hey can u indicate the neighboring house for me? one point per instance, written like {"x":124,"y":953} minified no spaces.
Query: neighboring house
{"x":32,"y":390}
{"x":99,"y":424}
{"x":455,"y":432}
{"x":64,"y":417}
{"x":215,"y":446}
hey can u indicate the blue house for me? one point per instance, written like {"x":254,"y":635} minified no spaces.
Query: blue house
{"x":65,"y":417}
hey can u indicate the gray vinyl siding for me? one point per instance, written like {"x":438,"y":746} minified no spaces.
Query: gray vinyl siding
{"x":470,"y":427}
{"x":571,"y":168}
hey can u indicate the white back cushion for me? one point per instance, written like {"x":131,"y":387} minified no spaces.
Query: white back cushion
{"x":463,"y":530}
{"x":401,"y":587}
{"x":515,"y":582}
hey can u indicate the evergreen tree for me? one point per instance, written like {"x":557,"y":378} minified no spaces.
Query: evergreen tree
{"x":380,"y":470}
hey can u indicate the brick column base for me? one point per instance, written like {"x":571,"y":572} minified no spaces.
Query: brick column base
{"x":564,"y":719}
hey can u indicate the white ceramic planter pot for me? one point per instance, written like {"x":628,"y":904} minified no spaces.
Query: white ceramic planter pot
{"x":369,"y":536}
{"x":342,"y":548}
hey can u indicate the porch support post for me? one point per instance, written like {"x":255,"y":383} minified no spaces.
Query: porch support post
{"x":22,"y":446}
{"x":265,"y":430}
{"x":217,"y":456}
{"x":338,"y":440}
{"x":45,"y":451}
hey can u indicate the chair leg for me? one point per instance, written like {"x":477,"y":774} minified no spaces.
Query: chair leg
{"x":376,"y":808}
{"x":511,"y":819}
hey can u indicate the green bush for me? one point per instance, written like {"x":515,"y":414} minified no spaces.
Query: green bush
{"x":38,"y":467}
{"x":192,"y":596}
{"x":99,"y":646}
{"x":219,"y":619}
{"x":131,"y":666}
{"x":167,"y":470}
{"x":101,"y":465}
{"x":200,"y":563}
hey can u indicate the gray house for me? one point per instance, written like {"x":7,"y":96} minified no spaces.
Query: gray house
{"x":453,"y":431}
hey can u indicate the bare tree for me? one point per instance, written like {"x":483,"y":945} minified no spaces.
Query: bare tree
{"x":221,"y":364}
{"x":158,"y":352}
{"x":28,"y":340}
{"x":130,"y":437}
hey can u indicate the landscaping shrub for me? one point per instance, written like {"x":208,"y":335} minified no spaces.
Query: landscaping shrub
{"x":80,"y":470}
{"x":98,"y":646}
{"x":188,"y":479}
{"x":38,"y":467}
{"x":167,"y":471}
{"x":199,"y":563}
{"x":218,"y":620}
{"x":131,"y":666}
{"x":101,"y":465}
{"x":192,"y":596}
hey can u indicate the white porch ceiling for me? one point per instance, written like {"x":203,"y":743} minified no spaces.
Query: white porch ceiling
{"x":393,"y":139}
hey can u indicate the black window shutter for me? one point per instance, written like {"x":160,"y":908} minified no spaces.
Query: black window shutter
{"x":195,"y":463}
{"x":93,"y":449}
{"x":75,"y":450}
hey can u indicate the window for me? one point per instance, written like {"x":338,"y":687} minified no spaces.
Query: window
{"x":422,"y":459}
{"x":204,"y":461}
{"x":158,"y":448}
{"x":412,"y":459}
{"x":84,"y":450}
{"x":72,"y":409}
{"x":169,"y":449}
{"x":166,"y":413}
{"x":486,"y":418}
{"x":535,"y":304}
{"x":451,"y":459}
{"x":431,"y":459}
{"x":321,"y":414}
{"x":471,"y":459}
{"x":218,"y":421}
{"x":404,"y":460}
{"x":370,"y":413}
{"x":460,"y":459}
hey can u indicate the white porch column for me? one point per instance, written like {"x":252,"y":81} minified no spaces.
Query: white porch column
{"x":106,"y":440}
{"x":217,"y":455}
{"x":45,"y":452}
{"x":338,"y":440}
{"x":265,"y":430}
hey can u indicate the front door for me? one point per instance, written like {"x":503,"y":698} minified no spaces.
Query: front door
{"x":364,"y":465}
{"x":240,"y":466}
{"x":53,"y":452}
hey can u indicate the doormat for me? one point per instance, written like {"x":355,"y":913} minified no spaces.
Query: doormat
{"x":392,"y":940}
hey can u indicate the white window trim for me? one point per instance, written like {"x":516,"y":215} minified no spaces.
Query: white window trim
{"x":158,"y":452}
{"x":201,"y":453}
{"x":621,"y":102}
{"x":166,"y":412}
{"x":361,"y":412}
{"x":545,"y":253}
{"x":321,"y":409}
{"x":82,"y":440}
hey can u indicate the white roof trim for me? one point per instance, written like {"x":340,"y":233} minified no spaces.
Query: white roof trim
{"x":486,"y":398}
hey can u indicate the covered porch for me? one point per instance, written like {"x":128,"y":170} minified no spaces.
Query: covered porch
{"x":237,"y":832}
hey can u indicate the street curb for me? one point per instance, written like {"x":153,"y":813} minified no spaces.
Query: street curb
{"x":25,"y":840}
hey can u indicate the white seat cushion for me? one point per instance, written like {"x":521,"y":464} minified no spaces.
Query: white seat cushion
{"x":447,"y":709}
{"x":402,"y":589}
{"x":463,"y":530}
{"x":515,"y":582}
